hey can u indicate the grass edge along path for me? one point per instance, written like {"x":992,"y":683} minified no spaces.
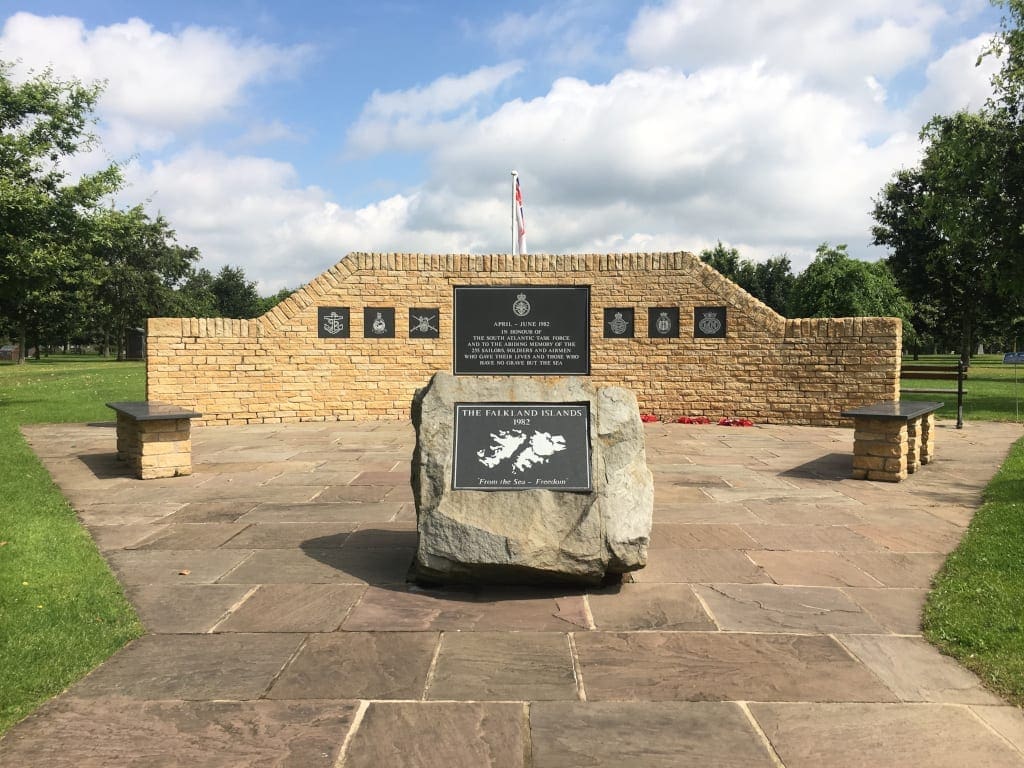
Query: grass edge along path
{"x":62,"y":611}
{"x":975,"y":611}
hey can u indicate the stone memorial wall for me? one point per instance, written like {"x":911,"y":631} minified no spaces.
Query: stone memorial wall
{"x":357,"y":341}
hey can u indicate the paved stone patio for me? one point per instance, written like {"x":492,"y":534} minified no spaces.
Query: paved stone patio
{"x":777,"y":623}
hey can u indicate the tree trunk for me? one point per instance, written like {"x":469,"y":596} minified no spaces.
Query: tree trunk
{"x":966,"y":331}
{"x":22,"y":344}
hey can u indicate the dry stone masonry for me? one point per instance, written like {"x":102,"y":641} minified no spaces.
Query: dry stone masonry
{"x":666,"y":326}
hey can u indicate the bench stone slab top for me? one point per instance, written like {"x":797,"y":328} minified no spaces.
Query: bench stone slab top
{"x":900,"y":410}
{"x":152,"y":410}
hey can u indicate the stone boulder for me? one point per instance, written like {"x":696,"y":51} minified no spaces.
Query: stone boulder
{"x":536,"y":535}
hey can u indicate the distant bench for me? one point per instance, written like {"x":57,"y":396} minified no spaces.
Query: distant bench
{"x":949,"y":372}
{"x":154,"y":438}
{"x":891,"y":440}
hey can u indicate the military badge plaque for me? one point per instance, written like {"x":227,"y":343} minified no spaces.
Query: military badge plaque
{"x":663,"y":322}
{"x":618,"y":323}
{"x":332,"y":322}
{"x":424,"y":323}
{"x":709,"y":322}
{"x":379,"y":322}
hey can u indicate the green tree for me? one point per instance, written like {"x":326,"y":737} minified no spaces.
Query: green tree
{"x":139,"y":264}
{"x":267,"y":303}
{"x":195,"y":297}
{"x":837,"y":285}
{"x":954,"y":225}
{"x":947,"y":228}
{"x":770,"y":281}
{"x":44,"y":216}
{"x":236,"y":296}
{"x":725,"y":260}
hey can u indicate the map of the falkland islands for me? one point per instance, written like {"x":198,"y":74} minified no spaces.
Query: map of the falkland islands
{"x":509,"y":444}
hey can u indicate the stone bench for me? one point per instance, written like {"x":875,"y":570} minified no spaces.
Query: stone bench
{"x":892,"y":439}
{"x":154,"y":438}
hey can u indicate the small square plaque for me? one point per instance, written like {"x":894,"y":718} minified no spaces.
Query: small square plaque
{"x":663,"y":322}
{"x":379,"y":322}
{"x":618,"y":323}
{"x":709,"y":323}
{"x":332,"y":322}
{"x":424,"y":323}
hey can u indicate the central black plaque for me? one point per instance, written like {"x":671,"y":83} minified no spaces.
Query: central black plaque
{"x":528,"y":330}
{"x":522,"y":447}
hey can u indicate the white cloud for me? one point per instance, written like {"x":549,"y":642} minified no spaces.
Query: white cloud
{"x":569,"y":32}
{"x":954,"y":82}
{"x":736,"y":153}
{"x":158,"y":84}
{"x":254,"y":212}
{"x":423,"y":116}
{"x":831,"y":44}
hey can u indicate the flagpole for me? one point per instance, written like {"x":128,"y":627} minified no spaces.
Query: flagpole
{"x":515,"y":228}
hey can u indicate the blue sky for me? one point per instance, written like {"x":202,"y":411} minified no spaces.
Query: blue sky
{"x":281,"y":136}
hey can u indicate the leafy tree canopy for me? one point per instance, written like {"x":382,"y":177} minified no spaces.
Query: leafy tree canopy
{"x":44,"y":215}
{"x":770,"y":281}
{"x":837,"y":285}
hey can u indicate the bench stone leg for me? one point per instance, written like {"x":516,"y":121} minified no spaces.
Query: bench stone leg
{"x":127,"y":437}
{"x":914,"y":435}
{"x":879,"y":449}
{"x":928,"y":438}
{"x":155,"y":449}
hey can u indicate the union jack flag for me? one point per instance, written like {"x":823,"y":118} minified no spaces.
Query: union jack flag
{"x":520,"y":219}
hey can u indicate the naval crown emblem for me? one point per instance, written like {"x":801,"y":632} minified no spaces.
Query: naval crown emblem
{"x":710,"y":324}
{"x":618,"y":324}
{"x":521,"y":306}
{"x":663,"y":324}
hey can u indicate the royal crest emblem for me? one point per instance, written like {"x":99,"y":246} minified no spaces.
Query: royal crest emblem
{"x":423,"y":324}
{"x":334,"y":323}
{"x":663,"y":324}
{"x":521,"y":306}
{"x":618,"y":324}
{"x":710,"y":324}
{"x":379,"y":326}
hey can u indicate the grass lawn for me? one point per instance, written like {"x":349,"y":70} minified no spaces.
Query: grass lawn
{"x":61,"y":610}
{"x":975,"y":611}
{"x":992,"y":393}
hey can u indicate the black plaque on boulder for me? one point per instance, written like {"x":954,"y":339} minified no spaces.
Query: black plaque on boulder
{"x":379,"y":322}
{"x":618,"y":323}
{"x":424,"y":323}
{"x":332,"y":322}
{"x":709,"y":322}
{"x":522,"y":447}
{"x":663,"y":322}
{"x":522,"y":331}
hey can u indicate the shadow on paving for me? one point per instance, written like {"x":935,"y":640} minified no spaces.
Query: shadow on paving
{"x":831,"y":466}
{"x":390,"y":552}
{"x":105,"y":465}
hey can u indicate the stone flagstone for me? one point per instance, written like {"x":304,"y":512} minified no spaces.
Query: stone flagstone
{"x":281,"y":629}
